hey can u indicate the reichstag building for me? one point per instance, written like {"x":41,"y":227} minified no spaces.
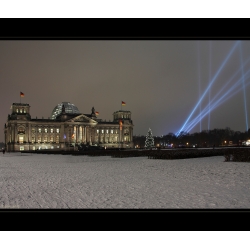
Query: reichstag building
{"x":66,"y":129}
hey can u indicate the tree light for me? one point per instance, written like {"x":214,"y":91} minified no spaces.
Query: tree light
{"x":149,"y":143}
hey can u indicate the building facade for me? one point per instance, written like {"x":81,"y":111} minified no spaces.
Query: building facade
{"x":66,"y":129}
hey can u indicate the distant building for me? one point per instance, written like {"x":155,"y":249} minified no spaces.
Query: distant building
{"x":66,"y":129}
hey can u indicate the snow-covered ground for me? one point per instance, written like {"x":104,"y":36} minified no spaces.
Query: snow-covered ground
{"x":66,"y":181}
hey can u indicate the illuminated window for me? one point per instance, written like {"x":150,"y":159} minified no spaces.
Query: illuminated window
{"x":46,"y":130}
{"x":57,"y":139}
{"x":111,"y":131}
{"x":52,"y":147}
{"x":24,"y":111}
{"x":45,"y":139}
{"x":20,"y":139}
{"x":34,"y":148}
{"x":97,"y":131}
{"x":51,"y":130}
{"x":39,"y":130}
{"x":33,"y":130}
{"x":57,"y":130}
{"x":33,"y":139}
{"x":107,"y":131}
{"x":102,"y":131}
{"x":21,"y":111}
{"x":39,"y":138}
{"x":51,"y":138}
{"x":21,"y":148}
{"x":17,"y":110}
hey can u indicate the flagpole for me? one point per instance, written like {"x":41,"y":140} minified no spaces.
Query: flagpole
{"x":20,"y":96}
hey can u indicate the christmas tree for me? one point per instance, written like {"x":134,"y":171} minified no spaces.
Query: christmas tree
{"x":149,"y":143}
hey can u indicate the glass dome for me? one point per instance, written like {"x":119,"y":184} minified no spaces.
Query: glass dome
{"x":69,"y":109}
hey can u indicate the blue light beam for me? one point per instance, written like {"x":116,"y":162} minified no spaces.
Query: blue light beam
{"x":210,"y":66}
{"x":219,"y":101}
{"x":231,"y":92}
{"x":199,"y":75}
{"x":243,"y":85}
{"x":225,"y":85}
{"x":210,"y":84}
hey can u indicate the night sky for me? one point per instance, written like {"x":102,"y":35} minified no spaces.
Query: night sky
{"x":161,"y":81}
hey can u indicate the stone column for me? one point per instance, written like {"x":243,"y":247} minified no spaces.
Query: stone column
{"x":86,"y":134}
{"x":104,"y":135}
{"x":61,"y":133}
{"x":15,"y":133}
{"x":90,"y":135}
{"x":110,"y":135}
{"x":74,"y":127}
{"x":35,"y":133}
{"x":84,"y":138}
{"x":132,"y":142}
{"x":42,"y":134}
{"x":69,"y":133}
{"x":78,"y":133}
{"x":29,"y":133}
{"x":99,"y":136}
{"x":83,"y":134}
{"x":12,"y":133}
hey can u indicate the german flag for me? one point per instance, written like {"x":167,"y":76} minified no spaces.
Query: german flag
{"x":123,"y":103}
{"x":21,"y":94}
{"x":97,"y":113}
{"x":120,"y":124}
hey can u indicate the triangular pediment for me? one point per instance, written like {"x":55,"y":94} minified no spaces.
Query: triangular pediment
{"x":82,"y":118}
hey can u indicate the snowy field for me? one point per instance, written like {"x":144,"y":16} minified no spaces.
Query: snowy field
{"x":65,"y":181}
